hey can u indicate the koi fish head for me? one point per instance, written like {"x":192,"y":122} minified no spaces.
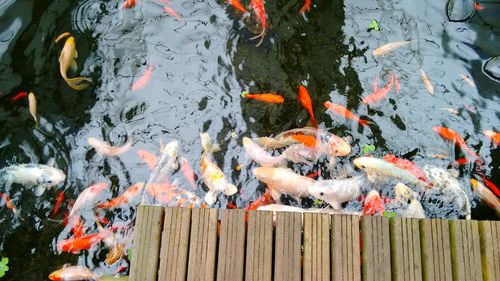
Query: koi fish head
{"x":373,"y":204}
{"x":404,"y":194}
{"x":50,"y":176}
{"x":55,"y":276}
{"x":365,"y":162}
{"x":339,"y":147}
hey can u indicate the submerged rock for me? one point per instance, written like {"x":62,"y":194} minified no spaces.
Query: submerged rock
{"x":460,"y":10}
{"x":492,"y":68}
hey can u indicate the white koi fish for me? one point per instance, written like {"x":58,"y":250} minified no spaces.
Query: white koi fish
{"x":336,"y":192}
{"x":284,"y":181}
{"x":259,"y":155}
{"x":106,"y":149}
{"x":385,"y":49}
{"x":32,"y":175}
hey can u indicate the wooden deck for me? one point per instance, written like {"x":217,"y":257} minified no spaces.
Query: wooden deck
{"x":191,"y":244}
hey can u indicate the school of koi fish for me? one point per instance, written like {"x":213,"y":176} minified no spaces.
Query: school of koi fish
{"x":300,"y":168}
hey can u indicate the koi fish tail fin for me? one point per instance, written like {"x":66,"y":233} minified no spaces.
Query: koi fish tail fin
{"x":261,"y":36}
{"x":211,"y":197}
{"x":365,"y":122}
{"x":304,"y":9}
{"x":230,"y":189}
{"x":79,"y":83}
{"x":314,"y":122}
{"x":206,"y":143}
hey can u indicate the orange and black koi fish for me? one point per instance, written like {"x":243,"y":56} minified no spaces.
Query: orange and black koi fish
{"x":305,"y":100}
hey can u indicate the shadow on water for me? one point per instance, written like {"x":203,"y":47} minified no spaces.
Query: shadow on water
{"x":201,"y":63}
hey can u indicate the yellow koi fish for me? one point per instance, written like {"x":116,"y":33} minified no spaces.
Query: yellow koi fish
{"x":385,"y":49}
{"x":67,"y":61}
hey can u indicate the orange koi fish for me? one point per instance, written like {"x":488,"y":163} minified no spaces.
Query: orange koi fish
{"x":230,"y":205}
{"x":373,"y":204}
{"x":379,"y":94}
{"x":306,"y":7}
{"x":494,"y":136}
{"x":77,"y":244}
{"x":490,"y":185}
{"x":486,"y":195}
{"x":305,"y":100}
{"x":342,"y":111}
{"x":18,"y":96}
{"x":59,"y":200}
{"x":143,"y":80}
{"x":188,"y":173}
{"x":8,"y":203}
{"x":149,"y":158}
{"x":263,"y":200}
{"x":128,"y":4}
{"x":260,"y":10}
{"x":123,"y":200}
{"x":453,"y":136}
{"x":269,"y":98}
{"x":237,"y":5}
{"x":171,"y":12}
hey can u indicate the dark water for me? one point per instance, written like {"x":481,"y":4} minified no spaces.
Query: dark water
{"x":202,"y":63}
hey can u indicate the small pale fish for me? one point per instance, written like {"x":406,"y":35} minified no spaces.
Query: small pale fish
{"x":409,"y":206}
{"x":212,"y":175}
{"x":259,"y":155}
{"x":62,"y":36}
{"x":336,"y":192}
{"x":72,"y":273}
{"x":67,"y":61}
{"x":468,"y":80}
{"x":449,"y":188}
{"x":108,"y":150}
{"x":427,"y":82}
{"x":385,"y":49}
{"x":144,"y":79}
{"x":284,"y":181}
{"x":32,"y":106}
{"x":32,"y":175}
{"x":377,"y":167}
{"x":488,"y":196}
{"x":450,"y":110}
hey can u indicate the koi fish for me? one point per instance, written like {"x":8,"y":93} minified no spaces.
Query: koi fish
{"x":188,"y":173}
{"x":171,"y":12}
{"x":18,"y":96}
{"x":78,"y":227}
{"x":450,"y":110}
{"x":336,"y":192}
{"x":397,"y":86}
{"x":409,"y":207}
{"x":125,"y":199}
{"x":452,"y":136}
{"x":467,"y":80}
{"x":308,"y":141}
{"x":67,"y":61}
{"x":62,"y":36}
{"x":342,"y":111}
{"x":237,"y":5}
{"x":149,"y":158}
{"x":305,"y":100}
{"x":89,"y":196}
{"x":478,"y":7}
{"x":106,"y":149}
{"x":8,"y":203}
{"x":373,"y":204}
{"x":494,"y":136}
{"x":378,"y":95}
{"x":407,"y":165}
{"x":385,"y":49}
{"x":306,"y":7}
{"x":128,"y":4}
{"x":77,"y":244}
{"x":427,"y":82}
{"x":269,"y":98}
{"x":284,"y":181}
{"x":115,"y":253}
{"x":263,"y":200}
{"x":490,"y":185}
{"x":69,"y":273}
{"x":212,"y":175}
{"x":488,"y":196}
{"x":259,"y":155}
{"x":260,"y":10}
{"x":378,"y":167}
{"x":32,"y":105}
{"x":32,"y":175}
{"x":59,"y":200}
{"x":143,"y":80}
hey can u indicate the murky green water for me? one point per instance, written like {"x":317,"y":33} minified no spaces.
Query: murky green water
{"x":202,"y":64}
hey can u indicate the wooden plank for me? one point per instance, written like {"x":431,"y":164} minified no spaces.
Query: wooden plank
{"x":398,"y":271}
{"x":355,"y":245}
{"x":487,"y":251}
{"x":445,"y":230}
{"x":367,"y":249}
{"x":427,"y":250}
{"x":230,"y":264}
{"x":316,"y":247}
{"x":376,"y":264}
{"x":203,"y":245}
{"x":146,"y":243}
{"x":259,"y":246}
{"x":495,"y":234}
{"x":175,"y":244}
{"x":384,"y":235}
{"x":417,"y":255}
{"x":476,"y":265}
{"x":457,"y":253}
{"x":288,"y":242}
{"x":338,"y":268}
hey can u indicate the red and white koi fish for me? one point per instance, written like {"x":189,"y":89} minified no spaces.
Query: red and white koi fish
{"x":263,"y":200}
{"x":407,"y":165}
{"x":379,"y":94}
{"x":68,"y":273}
{"x":144,"y":79}
{"x":125,"y":199}
{"x":454,"y":137}
{"x":88,"y":198}
{"x":306,"y":7}
{"x":373,"y":204}
{"x":8,"y":202}
{"x":486,"y":195}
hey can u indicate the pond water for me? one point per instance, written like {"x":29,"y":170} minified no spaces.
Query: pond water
{"x":201,"y":63}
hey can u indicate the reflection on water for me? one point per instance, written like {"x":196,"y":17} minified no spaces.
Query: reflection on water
{"x":202,"y":63}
